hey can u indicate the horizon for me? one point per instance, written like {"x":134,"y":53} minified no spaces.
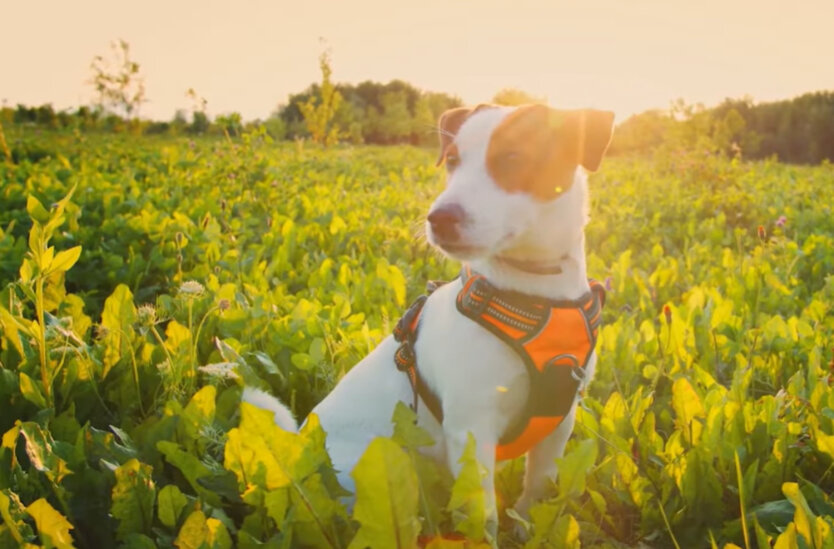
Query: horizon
{"x":249,"y":59}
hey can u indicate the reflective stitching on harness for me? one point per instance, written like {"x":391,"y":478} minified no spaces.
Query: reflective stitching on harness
{"x":545,"y":334}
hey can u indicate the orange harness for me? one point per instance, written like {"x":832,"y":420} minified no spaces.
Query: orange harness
{"x":555,"y":340}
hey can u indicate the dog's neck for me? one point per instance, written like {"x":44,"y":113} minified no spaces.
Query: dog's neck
{"x":570,"y":283}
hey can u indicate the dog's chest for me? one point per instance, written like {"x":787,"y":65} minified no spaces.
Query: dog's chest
{"x":466,"y":366}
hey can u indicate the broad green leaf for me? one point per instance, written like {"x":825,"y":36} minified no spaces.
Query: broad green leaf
{"x":177,"y":337}
{"x":386,"y":497}
{"x":191,"y":467}
{"x":53,"y":527}
{"x":803,"y":517}
{"x":199,"y":532}
{"x":552,"y":528}
{"x":133,"y":498}
{"x":276,"y":503}
{"x":27,"y":271}
{"x":11,"y":330}
{"x":8,"y":507}
{"x":398,"y":284}
{"x":468,"y":501}
{"x":199,"y":413}
{"x":302,"y":361}
{"x":317,"y":350}
{"x":314,"y":513}
{"x":762,"y":539}
{"x":64,"y":260}
{"x":406,"y":431}
{"x":824,"y":442}
{"x":687,"y":405}
{"x":264,"y":458}
{"x":169,"y":504}
{"x":36,"y":210}
{"x":116,"y":320}
{"x":9,"y":439}
{"x":31,"y":391}
{"x":574,"y":467}
{"x":249,"y":458}
{"x":41,"y":454}
{"x":824,"y":534}
{"x":787,"y":539}
{"x":137,"y":541}
{"x":46,"y":259}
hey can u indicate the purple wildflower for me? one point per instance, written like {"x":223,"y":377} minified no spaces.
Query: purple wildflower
{"x":608,"y":281}
{"x":781,"y":221}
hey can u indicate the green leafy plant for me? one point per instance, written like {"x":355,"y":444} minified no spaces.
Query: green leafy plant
{"x":145,"y":281}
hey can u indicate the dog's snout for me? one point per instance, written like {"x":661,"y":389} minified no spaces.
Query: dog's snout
{"x":445,"y":221}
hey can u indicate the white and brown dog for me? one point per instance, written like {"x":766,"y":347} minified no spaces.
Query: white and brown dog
{"x":513,"y":211}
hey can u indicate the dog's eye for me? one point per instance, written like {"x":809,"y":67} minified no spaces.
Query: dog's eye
{"x":452,"y":161}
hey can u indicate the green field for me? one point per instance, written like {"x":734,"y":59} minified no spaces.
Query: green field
{"x":211,"y":263}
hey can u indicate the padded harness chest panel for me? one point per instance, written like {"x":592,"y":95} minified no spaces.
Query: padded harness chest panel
{"x":554,"y":339}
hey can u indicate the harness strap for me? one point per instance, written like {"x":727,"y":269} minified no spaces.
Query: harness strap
{"x":405,"y":358}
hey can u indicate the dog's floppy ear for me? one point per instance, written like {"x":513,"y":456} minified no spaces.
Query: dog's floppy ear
{"x":593,"y":130}
{"x":448,"y":126}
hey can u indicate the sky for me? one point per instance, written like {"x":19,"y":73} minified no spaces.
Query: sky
{"x":248,"y":56}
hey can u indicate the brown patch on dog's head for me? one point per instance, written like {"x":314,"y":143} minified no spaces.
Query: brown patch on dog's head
{"x":536,"y":149}
{"x":449,"y":124}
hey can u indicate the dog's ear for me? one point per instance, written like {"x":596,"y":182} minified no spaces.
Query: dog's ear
{"x":592,"y":130}
{"x":448,"y":126}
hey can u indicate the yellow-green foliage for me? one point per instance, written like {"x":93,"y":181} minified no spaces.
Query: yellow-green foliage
{"x":132,"y":313}
{"x":319,"y":111}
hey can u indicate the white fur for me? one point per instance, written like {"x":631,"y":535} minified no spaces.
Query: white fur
{"x":481,"y":382}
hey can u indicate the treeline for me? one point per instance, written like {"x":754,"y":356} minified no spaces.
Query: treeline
{"x":799,"y":130}
{"x":375,"y":113}
{"x":97,"y":119}
{"x":371,"y":112}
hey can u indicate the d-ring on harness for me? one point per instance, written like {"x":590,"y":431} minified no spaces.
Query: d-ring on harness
{"x":555,"y":340}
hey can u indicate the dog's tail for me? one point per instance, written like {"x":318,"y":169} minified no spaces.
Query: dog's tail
{"x":283,"y":416}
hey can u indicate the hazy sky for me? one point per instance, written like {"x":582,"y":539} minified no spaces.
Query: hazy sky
{"x":247,"y":56}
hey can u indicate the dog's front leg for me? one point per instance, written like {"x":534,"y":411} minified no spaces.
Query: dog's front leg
{"x":455,"y":432}
{"x":541,"y":469}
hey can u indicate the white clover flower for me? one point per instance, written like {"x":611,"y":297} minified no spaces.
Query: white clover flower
{"x":146,"y":314}
{"x":192,"y":288}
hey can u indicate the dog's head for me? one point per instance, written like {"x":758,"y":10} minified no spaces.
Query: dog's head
{"x":514,"y":184}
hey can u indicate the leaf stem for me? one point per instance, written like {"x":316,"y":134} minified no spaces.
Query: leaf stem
{"x":39,"y":309}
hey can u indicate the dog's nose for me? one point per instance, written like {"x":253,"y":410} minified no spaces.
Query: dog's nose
{"x":444,"y":221}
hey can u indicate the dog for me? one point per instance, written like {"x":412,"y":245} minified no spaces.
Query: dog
{"x":513,"y":212}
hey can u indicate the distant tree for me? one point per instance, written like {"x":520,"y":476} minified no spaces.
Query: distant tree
{"x":120,"y":88}
{"x":514,"y":96}
{"x":45,"y":116}
{"x":275,"y":127}
{"x":7,"y":154}
{"x":179,"y":123}
{"x":319,"y":111}
{"x":395,"y":121}
{"x":641,"y":132}
{"x":369,"y":119}
{"x":230,"y":124}
{"x":199,"y":119}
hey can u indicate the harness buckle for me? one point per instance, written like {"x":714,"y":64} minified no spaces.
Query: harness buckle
{"x":579,"y":374}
